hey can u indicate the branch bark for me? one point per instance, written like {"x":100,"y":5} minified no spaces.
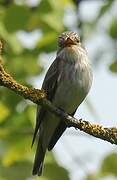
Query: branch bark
{"x":39,"y":97}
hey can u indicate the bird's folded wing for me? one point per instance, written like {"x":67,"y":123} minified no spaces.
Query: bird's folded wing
{"x":50,"y":86}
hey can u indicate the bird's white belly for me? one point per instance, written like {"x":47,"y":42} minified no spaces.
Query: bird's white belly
{"x":68,"y":99}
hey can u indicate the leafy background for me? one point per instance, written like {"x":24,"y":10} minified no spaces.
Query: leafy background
{"x":43,"y":20}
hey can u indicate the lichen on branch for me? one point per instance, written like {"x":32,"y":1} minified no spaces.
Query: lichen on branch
{"x":28,"y":93}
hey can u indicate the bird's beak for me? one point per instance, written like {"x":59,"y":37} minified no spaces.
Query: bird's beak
{"x":69,"y":41}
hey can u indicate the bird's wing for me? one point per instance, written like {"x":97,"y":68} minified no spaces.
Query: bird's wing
{"x":58,"y":133}
{"x":50,"y":86}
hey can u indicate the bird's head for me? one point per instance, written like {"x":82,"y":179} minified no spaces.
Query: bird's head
{"x":68,"y":39}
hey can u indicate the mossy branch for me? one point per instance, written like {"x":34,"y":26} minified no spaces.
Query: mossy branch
{"x":39,"y":97}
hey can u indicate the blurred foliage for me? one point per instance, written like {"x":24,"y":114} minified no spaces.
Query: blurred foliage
{"x":113,"y":67}
{"x":109,"y":165}
{"x":104,"y":8}
{"x":113,"y":29}
{"x":47,"y":17}
{"x":21,"y":170}
{"x":108,"y":168}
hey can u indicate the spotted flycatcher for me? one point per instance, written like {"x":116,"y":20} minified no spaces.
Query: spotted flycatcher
{"x":66,"y":83}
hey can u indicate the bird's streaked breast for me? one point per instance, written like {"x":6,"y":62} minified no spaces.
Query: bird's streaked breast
{"x":75,"y":78}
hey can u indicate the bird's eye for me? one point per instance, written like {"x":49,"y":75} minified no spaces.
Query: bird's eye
{"x":77,"y":40}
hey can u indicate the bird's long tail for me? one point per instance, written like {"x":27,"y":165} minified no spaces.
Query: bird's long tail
{"x":39,"y":158}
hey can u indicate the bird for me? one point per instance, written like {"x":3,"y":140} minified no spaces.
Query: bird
{"x":66,"y":83}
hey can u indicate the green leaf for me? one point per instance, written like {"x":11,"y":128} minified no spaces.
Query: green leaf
{"x":10,"y":99}
{"x":104,"y":8}
{"x":61,"y":4}
{"x":24,"y":67}
{"x":31,"y":111}
{"x":52,"y":170}
{"x":12,"y":45}
{"x":19,"y":170}
{"x":92,"y":177}
{"x":18,"y":150}
{"x":16,"y":18}
{"x":113,"y":29}
{"x":55,"y":172}
{"x":54,"y":20}
{"x":109,"y":165}
{"x":4,"y":112}
{"x":2,"y":12}
{"x":3,"y":133}
{"x":48,"y":42}
{"x":48,"y":16}
{"x":113,"y":67}
{"x":44,"y":7}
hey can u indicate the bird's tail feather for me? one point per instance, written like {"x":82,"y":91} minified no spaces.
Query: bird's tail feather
{"x":57,"y":134}
{"x":39,"y":158}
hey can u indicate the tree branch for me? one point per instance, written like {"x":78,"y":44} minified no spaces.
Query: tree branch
{"x":39,"y":97}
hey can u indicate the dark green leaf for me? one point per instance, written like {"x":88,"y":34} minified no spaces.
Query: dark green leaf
{"x":10,"y":99}
{"x":16,"y":18}
{"x":109,"y":165}
{"x":44,"y":7}
{"x":4,"y":112}
{"x":113,"y":29}
{"x":113,"y":67}
{"x":48,"y":42}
